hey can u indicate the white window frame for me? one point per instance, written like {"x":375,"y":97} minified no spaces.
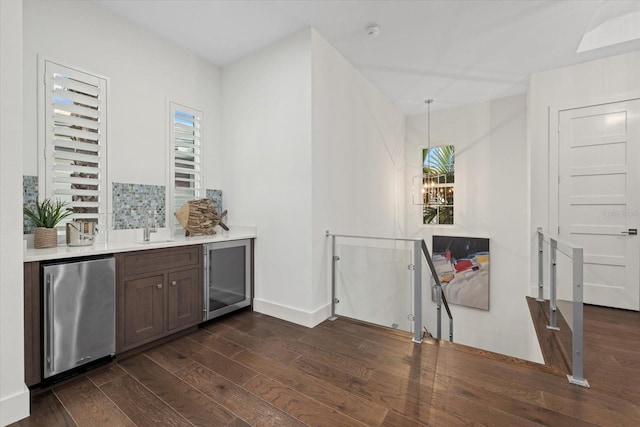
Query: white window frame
{"x":429,"y":184}
{"x":198,"y":179}
{"x":46,"y":120}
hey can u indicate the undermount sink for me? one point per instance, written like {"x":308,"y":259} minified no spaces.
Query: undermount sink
{"x":153,"y":242}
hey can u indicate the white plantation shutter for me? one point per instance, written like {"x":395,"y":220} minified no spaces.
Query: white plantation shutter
{"x":75,"y":137}
{"x":185,"y":133}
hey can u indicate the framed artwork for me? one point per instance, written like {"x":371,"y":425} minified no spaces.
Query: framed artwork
{"x":462,"y":265}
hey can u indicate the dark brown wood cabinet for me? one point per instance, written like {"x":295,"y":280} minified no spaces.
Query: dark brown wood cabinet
{"x":184,"y":300}
{"x":32,"y":329}
{"x":143,"y":309}
{"x":158,"y":292}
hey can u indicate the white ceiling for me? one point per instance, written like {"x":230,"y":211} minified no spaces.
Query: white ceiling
{"x":456,"y":52}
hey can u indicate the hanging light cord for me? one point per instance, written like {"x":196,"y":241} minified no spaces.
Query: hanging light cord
{"x":429,"y":101}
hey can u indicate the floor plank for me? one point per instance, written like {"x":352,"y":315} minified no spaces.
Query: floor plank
{"x":291,"y":342}
{"x":105,"y":374}
{"x":89,"y":406}
{"x":257,"y":345}
{"x":228,"y":368}
{"x":394,"y":419}
{"x":187,"y":401}
{"x":168,"y":357}
{"x":238,"y":400}
{"x":297,"y":404}
{"x":141,"y":406}
{"x":215,"y":343}
{"x":332,"y":396}
{"x":383,"y":388}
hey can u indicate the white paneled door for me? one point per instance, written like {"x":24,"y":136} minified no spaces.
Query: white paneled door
{"x":599,"y":209}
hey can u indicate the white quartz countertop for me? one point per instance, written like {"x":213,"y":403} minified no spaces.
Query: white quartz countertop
{"x":133,"y":242}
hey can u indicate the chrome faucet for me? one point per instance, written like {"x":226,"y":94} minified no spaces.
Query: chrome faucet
{"x":146,"y":232}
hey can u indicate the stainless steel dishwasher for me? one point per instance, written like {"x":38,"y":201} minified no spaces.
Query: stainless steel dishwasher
{"x":79,"y":313}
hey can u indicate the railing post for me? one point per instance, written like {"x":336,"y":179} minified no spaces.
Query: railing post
{"x":578,"y":320}
{"x":417,"y":292}
{"x":553,"y":321}
{"x":540,"y":265}
{"x":333,"y":277}
{"x":438,"y":311}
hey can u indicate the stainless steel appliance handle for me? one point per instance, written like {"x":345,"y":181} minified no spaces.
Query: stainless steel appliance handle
{"x":205,"y":284}
{"x":49,"y":331}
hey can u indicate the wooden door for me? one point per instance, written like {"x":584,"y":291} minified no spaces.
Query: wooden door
{"x":599,"y":157}
{"x":143,"y":309}
{"x":184,"y":299}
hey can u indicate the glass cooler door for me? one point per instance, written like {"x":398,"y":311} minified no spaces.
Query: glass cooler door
{"x":227,"y":278}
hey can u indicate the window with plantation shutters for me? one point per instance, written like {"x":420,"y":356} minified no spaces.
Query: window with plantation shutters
{"x":75,"y":139}
{"x":185,"y":134}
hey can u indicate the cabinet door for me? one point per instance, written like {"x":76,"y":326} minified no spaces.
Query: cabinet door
{"x":184,"y":299}
{"x":143,"y":309}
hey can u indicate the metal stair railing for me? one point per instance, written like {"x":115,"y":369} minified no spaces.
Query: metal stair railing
{"x":440,"y":296}
{"x":419,"y":249}
{"x":576,"y":254}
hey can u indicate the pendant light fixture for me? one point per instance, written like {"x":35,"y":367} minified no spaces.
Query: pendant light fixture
{"x":429,"y":179}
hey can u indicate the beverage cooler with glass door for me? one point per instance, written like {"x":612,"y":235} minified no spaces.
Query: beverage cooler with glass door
{"x":227,"y":277}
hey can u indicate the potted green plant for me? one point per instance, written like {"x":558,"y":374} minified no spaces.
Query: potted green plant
{"x":46,"y":216}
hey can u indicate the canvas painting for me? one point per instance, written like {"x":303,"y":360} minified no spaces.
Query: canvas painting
{"x":462,"y":265}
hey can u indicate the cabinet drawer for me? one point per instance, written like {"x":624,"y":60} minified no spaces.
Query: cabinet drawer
{"x":149,"y":261}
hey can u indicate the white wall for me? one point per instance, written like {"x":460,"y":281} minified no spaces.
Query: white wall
{"x":144,"y":71}
{"x":266,"y":104}
{"x":606,"y":80}
{"x":310,"y":145}
{"x":490,"y":201}
{"x":14,"y":395}
{"x":358,"y":162}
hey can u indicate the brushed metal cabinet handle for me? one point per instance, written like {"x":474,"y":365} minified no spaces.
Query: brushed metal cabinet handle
{"x":174,"y":283}
{"x":159,"y":286}
{"x":50,"y":332}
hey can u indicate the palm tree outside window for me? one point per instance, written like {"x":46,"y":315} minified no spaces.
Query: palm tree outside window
{"x":438,"y":177}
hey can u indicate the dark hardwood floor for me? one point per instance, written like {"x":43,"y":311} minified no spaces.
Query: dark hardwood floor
{"x":252,"y":369}
{"x":555,"y":344}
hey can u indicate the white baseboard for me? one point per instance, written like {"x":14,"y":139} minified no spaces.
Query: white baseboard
{"x":15,"y":407}
{"x":292,"y":314}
